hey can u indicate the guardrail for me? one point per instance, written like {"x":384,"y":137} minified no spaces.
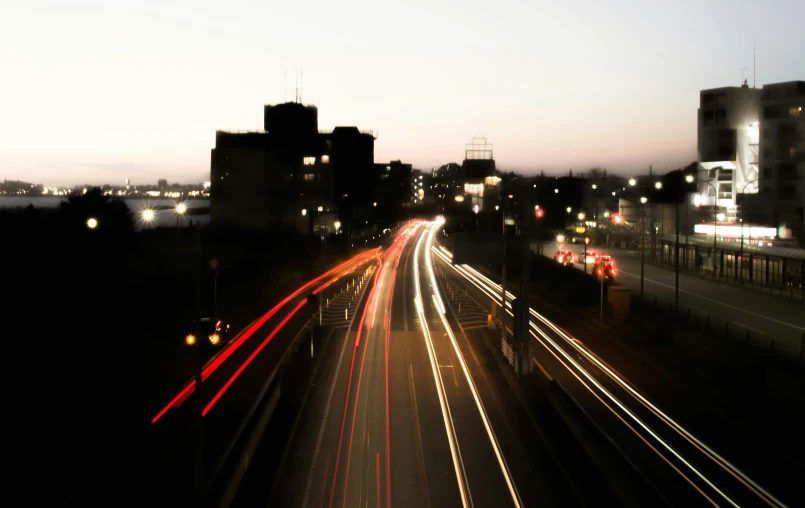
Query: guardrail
{"x":789,"y":292}
{"x":723,"y":329}
{"x":232,"y":466}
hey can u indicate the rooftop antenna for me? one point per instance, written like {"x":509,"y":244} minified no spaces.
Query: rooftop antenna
{"x":285,"y":90}
{"x":301,"y":76}
{"x":296,"y":89}
{"x":754,"y":64}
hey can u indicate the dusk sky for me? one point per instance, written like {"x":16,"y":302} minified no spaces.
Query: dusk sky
{"x":98,"y":91}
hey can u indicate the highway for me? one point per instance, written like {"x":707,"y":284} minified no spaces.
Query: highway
{"x":405,"y":412}
{"x":681,"y":468}
{"x":762,"y":315}
{"x":159,"y":465}
{"x":408,"y":408}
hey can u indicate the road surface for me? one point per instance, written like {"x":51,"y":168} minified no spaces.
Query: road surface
{"x":763,"y":315}
{"x":405,"y":414}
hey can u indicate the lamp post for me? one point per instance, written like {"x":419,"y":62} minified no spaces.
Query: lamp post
{"x":503,"y":275}
{"x":715,"y":223}
{"x":741,"y":257}
{"x":581,"y":218}
{"x":643,"y":201}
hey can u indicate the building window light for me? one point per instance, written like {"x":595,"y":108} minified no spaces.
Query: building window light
{"x":309,"y":177}
{"x":308,"y":161}
{"x":325,"y":159}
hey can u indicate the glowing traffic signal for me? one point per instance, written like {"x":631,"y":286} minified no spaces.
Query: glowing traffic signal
{"x":540,"y":213}
{"x":617,"y":218}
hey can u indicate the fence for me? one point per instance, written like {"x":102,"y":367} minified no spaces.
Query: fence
{"x":792,"y":290}
{"x":719,"y":328}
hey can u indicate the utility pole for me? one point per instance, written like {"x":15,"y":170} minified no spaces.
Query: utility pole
{"x":584,"y":216}
{"x":527,"y":211}
{"x":676,"y":261}
{"x":503,"y":270}
{"x":642,"y":259}
{"x":603,"y":271}
{"x":199,"y":405}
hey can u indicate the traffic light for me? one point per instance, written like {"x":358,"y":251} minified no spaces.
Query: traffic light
{"x":606,"y":213}
{"x":617,"y":218}
{"x":540,"y":213}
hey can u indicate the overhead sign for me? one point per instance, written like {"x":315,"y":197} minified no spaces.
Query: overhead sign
{"x":492,"y":180}
{"x":580,"y":229}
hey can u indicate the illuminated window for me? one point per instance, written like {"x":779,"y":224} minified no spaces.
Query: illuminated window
{"x":325,"y":159}
{"x":795,"y":112}
{"x":308,"y":161}
{"x":309,"y":177}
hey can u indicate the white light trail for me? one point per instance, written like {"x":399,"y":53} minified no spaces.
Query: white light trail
{"x":492,"y":290}
{"x":481,"y":410}
{"x":458,"y":464}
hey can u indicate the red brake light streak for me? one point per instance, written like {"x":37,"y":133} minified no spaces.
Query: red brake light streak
{"x":226,"y":353}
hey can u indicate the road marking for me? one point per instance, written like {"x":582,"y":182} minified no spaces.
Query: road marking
{"x":720,"y":303}
{"x":319,"y":439}
{"x":749,"y":328}
{"x":420,"y":454}
{"x":507,"y":476}
{"x":458,"y":463}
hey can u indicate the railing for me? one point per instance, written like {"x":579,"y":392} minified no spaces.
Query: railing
{"x":720,"y":328}
{"x":790,"y":290}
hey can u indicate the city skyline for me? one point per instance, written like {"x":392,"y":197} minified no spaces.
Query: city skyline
{"x":89,"y":99}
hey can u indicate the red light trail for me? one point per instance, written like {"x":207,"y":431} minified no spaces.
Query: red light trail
{"x":226,"y":353}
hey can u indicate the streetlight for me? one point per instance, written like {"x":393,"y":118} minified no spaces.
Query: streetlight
{"x":337,"y":224}
{"x":658,"y":185}
{"x":632,"y":182}
{"x":742,"y":227}
{"x":581,"y":216}
{"x":148,"y":215}
{"x":92,"y":223}
{"x":556,"y":191}
{"x":304,"y":212}
{"x":595,"y":186}
{"x":568,"y":209}
{"x":643,"y":201}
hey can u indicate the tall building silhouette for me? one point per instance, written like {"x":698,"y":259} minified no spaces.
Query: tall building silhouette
{"x":291,"y":171}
